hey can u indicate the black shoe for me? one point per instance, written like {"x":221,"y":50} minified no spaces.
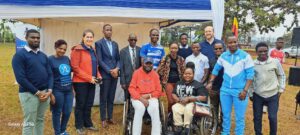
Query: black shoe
{"x":92,"y":128}
{"x":178,"y":130}
{"x":80,"y":131}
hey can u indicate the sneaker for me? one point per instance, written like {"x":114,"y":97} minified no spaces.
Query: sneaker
{"x":80,"y":131}
{"x":265,"y":109}
{"x":92,"y":128}
{"x":65,"y":133}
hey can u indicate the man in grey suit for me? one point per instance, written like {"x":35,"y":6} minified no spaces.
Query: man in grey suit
{"x":108,"y":59}
{"x":130,"y":60}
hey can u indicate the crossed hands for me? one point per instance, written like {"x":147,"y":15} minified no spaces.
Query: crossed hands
{"x":114,"y":73}
{"x":43,"y":96}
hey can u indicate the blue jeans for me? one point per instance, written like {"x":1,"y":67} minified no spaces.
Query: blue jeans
{"x":61,"y":110}
{"x":239,"y":106}
{"x":272,"y":103}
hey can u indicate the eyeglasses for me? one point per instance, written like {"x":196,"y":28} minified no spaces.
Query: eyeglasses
{"x":133,"y":40}
{"x":218,"y":48}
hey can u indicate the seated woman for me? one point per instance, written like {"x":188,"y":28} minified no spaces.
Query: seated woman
{"x":185,"y":94}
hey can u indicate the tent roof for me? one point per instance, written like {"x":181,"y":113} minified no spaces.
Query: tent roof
{"x":115,"y":11}
{"x":129,"y":11}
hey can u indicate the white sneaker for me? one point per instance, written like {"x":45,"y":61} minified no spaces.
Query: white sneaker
{"x":265,"y":109}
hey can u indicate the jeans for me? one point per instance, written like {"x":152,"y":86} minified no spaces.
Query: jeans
{"x":61,"y":110}
{"x":84,"y":95}
{"x":34,"y":112}
{"x":240,"y":106}
{"x":107,"y":97}
{"x":272,"y":104}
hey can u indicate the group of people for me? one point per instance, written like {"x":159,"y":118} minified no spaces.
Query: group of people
{"x":186,"y":75}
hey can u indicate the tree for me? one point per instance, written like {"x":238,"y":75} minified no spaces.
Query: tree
{"x":6,"y":34}
{"x":267,"y":14}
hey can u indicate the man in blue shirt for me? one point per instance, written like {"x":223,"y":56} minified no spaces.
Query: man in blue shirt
{"x":207,"y":46}
{"x":33,"y":73}
{"x":153,"y":49}
{"x":184,"y":49}
{"x":238,"y":75}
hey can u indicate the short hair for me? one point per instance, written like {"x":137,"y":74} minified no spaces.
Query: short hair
{"x":195,"y":43}
{"x":183,"y":34}
{"x":219,"y":42}
{"x":174,"y":43}
{"x":153,"y":29}
{"x":261,"y":44}
{"x":31,"y":31}
{"x":106,"y":25}
{"x":59,"y":42}
{"x":279,"y":38}
{"x":190,"y":65}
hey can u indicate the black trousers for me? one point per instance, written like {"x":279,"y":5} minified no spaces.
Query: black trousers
{"x":84,"y":95}
{"x":215,"y":105}
{"x":107,"y":97}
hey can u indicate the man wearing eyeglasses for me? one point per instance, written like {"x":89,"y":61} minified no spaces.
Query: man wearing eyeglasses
{"x":153,"y":49}
{"x":214,"y":93}
{"x":129,"y":64}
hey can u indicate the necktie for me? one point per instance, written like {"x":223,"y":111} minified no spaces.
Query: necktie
{"x":133,"y":58}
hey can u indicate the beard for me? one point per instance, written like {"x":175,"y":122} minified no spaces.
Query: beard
{"x":147,"y":69}
{"x":34,"y":46}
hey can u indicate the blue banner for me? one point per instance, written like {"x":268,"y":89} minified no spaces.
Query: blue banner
{"x":20,"y":43}
{"x":147,"y":4}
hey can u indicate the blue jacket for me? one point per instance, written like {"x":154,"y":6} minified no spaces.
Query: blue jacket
{"x":238,"y":68}
{"x":107,"y":61}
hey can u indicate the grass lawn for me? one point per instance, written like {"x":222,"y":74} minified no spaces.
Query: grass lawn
{"x":11,"y":112}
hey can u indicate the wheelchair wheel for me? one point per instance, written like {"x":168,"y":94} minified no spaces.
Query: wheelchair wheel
{"x":207,"y":126}
{"x":127,"y":118}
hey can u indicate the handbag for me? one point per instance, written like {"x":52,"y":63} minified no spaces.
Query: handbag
{"x":201,"y":109}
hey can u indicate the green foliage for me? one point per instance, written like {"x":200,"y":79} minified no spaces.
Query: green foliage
{"x":6,"y":34}
{"x":267,"y":14}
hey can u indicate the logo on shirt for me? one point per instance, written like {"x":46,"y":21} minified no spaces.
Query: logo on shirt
{"x":64,"y":69}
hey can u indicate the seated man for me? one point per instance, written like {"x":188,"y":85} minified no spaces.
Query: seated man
{"x":145,"y":89}
{"x":187,"y":92}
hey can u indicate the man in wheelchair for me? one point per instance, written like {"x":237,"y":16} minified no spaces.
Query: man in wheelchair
{"x":186,"y":92}
{"x":145,"y":89}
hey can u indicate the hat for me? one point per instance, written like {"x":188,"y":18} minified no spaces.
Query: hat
{"x":148,"y":59}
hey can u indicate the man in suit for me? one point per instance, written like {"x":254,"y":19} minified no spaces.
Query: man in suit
{"x":109,"y":58}
{"x":129,"y":64}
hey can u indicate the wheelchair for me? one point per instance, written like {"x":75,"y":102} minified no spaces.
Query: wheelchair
{"x":128,"y":115}
{"x":200,"y":125}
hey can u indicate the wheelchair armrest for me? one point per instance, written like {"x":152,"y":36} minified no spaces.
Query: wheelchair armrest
{"x":202,"y":104}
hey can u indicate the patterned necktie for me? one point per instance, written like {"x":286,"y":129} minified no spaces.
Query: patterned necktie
{"x":133,"y":58}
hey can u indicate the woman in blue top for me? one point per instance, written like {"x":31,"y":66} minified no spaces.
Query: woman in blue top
{"x":62,"y":89}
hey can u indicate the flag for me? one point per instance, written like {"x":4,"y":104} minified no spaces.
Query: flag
{"x":235,"y":27}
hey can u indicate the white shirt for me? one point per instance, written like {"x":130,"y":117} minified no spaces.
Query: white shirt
{"x":131,"y":52}
{"x":28,"y":49}
{"x":201,"y":63}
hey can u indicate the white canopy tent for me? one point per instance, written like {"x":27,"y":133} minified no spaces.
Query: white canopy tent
{"x":67,"y":19}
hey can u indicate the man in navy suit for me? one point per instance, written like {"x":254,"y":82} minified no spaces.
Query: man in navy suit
{"x":109,"y":58}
